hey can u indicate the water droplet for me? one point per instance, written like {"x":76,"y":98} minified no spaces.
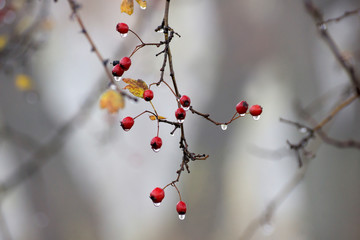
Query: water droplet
{"x":157,"y":204}
{"x":172,"y":134}
{"x":113,"y":87}
{"x":123,"y":35}
{"x":323,"y":27}
{"x":181,"y":120}
{"x":126,"y":130}
{"x":117,"y":79}
{"x":223,"y":126}
{"x":186,"y":108}
{"x":182,"y":216}
{"x":156,"y":150}
{"x":143,"y":7}
{"x":267,"y":229}
{"x":256,"y":117}
{"x":242,"y":115}
{"x":303,"y":130}
{"x":161,"y":31}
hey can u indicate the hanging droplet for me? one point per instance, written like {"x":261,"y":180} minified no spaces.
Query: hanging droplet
{"x":323,"y":27}
{"x":186,"y":108}
{"x":303,"y":130}
{"x":172,"y":134}
{"x":156,"y":150}
{"x":113,"y":87}
{"x":143,"y":7}
{"x":182,"y":216}
{"x":223,"y":126}
{"x":181,"y":120}
{"x":256,"y":117}
{"x":123,"y":35}
{"x":242,"y":115}
{"x":161,"y":31}
{"x":267,"y":229}
{"x":157,"y":204}
{"x":117,"y":79}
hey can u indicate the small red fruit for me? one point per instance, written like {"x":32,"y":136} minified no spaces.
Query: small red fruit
{"x":255,"y":110}
{"x":156,"y":144}
{"x":180,"y":114}
{"x":242,"y":107}
{"x":148,"y":95}
{"x":185,"y":101}
{"x":181,"y":209}
{"x":125,"y":63}
{"x":117,"y":71}
{"x":127,"y":123}
{"x":157,"y":195}
{"x":122,"y":28}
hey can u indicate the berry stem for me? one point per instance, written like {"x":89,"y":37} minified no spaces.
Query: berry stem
{"x":146,"y":111}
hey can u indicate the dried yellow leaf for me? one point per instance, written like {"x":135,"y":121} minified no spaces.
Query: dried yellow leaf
{"x":127,"y":6}
{"x":152,"y":117}
{"x":135,"y":87}
{"x":23,"y":82}
{"x":112,"y":101}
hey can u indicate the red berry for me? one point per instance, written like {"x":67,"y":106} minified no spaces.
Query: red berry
{"x":242,"y":107}
{"x":125,"y":63}
{"x":157,"y":195}
{"x":117,"y":71}
{"x":180,"y":114}
{"x":255,"y":110}
{"x":122,"y":28}
{"x":148,"y":95}
{"x":127,"y":123}
{"x":185,"y":101}
{"x":156,"y":144}
{"x":181,"y":208}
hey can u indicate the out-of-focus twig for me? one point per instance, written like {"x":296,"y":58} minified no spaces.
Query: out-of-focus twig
{"x":344,"y":15}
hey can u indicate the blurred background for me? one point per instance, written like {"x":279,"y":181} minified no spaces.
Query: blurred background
{"x":95,"y":179}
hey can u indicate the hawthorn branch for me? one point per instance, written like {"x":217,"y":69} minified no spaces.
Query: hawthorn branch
{"x":346,"y":14}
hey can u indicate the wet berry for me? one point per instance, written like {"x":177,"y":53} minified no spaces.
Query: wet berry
{"x":180,"y":114}
{"x":181,"y":208}
{"x":117,"y":71}
{"x":185,"y":101}
{"x":156,"y":144}
{"x":242,"y":107}
{"x":255,"y":110}
{"x":148,"y":95}
{"x":157,"y":195}
{"x":127,"y":123}
{"x":122,"y":28}
{"x":125,"y":63}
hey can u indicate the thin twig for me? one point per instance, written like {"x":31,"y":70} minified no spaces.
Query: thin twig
{"x":346,"y":14}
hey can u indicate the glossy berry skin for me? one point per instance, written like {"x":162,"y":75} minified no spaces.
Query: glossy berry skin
{"x":127,"y":123}
{"x":117,"y":71}
{"x":255,"y":110}
{"x":181,"y":208}
{"x":157,"y":195}
{"x":185,"y":101}
{"x":148,"y":95}
{"x":180,"y":114}
{"x":122,"y":28}
{"x":242,"y":107}
{"x":125,"y":63}
{"x":156,"y":143}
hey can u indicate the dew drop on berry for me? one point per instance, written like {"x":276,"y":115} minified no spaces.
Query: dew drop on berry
{"x":117,"y":79}
{"x":303,"y":130}
{"x":186,"y":108}
{"x":242,"y":115}
{"x":182,"y":216}
{"x":126,"y":130}
{"x":157,"y":204}
{"x":156,"y":150}
{"x":256,"y":117}
{"x":181,"y":120}
{"x":223,"y":126}
{"x":123,"y":35}
{"x":143,"y":7}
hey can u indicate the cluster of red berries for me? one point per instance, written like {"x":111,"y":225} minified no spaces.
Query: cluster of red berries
{"x":158,"y":194}
{"x":255,"y":110}
{"x":124,"y":64}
